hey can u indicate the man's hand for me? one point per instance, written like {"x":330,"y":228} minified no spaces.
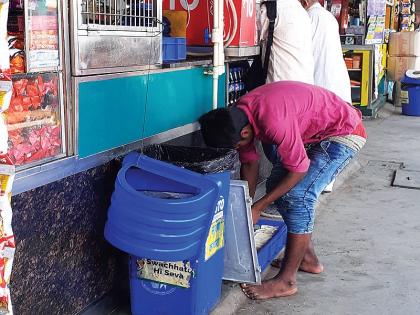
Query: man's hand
{"x":257,"y":209}
{"x":284,"y":186}
{"x":249,"y":172}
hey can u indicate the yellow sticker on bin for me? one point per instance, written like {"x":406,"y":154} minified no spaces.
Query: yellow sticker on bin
{"x":404,"y":97}
{"x":215,"y":239}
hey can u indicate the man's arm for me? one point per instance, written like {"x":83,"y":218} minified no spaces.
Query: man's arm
{"x":284,"y":186}
{"x":249,"y":172}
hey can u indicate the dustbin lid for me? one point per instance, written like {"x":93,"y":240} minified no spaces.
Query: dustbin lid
{"x":411,"y":77}
{"x":241,"y":260}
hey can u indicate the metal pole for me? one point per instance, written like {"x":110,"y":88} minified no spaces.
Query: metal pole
{"x":218,"y":52}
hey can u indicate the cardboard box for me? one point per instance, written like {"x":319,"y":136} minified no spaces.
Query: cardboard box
{"x":397,"y":66}
{"x":404,"y":44}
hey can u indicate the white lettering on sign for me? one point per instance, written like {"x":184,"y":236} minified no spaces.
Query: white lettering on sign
{"x":187,"y":6}
{"x":220,"y":205}
{"x":172,"y":5}
{"x":249,"y":7}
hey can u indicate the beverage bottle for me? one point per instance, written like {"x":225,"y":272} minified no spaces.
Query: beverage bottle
{"x":241,"y":89}
{"x":235,"y":75}
{"x":240,"y":74}
{"x":231,"y":90}
{"x":236,"y":91}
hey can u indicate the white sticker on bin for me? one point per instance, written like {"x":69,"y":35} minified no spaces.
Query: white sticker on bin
{"x":175,"y":273}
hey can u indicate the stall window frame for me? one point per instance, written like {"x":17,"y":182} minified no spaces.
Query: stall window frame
{"x":60,"y":34}
{"x":63,"y":70}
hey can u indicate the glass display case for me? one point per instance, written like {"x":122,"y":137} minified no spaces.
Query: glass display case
{"x":34,"y":118}
{"x":106,"y":35}
{"x":36,"y":113}
{"x":42,"y":37}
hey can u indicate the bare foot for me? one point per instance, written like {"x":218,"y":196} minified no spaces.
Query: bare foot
{"x":270,"y":289}
{"x":311,"y":266}
{"x":314,"y":267}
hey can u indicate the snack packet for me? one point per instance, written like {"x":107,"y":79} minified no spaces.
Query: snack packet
{"x":4,"y":136}
{"x":7,"y":239}
{"x":4,"y":45}
{"x":6,"y":91}
{"x":7,"y":175}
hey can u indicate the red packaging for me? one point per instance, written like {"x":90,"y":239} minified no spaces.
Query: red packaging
{"x":201,"y":18}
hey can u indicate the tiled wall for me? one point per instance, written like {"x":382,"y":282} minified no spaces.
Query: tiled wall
{"x":63,"y":263}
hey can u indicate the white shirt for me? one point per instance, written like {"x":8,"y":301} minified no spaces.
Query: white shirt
{"x":291,"y":55}
{"x":330,"y":69}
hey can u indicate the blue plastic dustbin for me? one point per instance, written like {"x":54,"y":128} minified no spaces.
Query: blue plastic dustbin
{"x":410,"y":96}
{"x":171,"y":222}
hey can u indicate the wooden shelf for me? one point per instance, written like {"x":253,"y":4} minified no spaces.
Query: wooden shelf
{"x":354,"y":70}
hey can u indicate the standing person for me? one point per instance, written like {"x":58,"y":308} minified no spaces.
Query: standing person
{"x":330,"y":69}
{"x":289,"y":115}
{"x":291,"y":53}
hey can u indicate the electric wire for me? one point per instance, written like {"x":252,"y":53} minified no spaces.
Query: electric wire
{"x":146,"y":96}
{"x":147,"y":83}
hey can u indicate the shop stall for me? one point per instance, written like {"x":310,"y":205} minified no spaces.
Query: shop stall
{"x":93,"y":80}
{"x":90,"y":83}
{"x":366,"y":65}
{"x":364,"y":29}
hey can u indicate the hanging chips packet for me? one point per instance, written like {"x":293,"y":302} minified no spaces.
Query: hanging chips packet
{"x":7,"y":175}
{"x":4,"y":136}
{"x":7,"y":239}
{"x":4,"y":45}
{"x":7,"y":169}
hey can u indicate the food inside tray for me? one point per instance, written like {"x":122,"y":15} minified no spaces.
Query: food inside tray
{"x":262,"y":234}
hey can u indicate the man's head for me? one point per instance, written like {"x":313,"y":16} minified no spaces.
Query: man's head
{"x":226,"y":128}
{"x":308,"y":3}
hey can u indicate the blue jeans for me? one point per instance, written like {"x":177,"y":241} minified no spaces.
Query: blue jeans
{"x":297,"y":207}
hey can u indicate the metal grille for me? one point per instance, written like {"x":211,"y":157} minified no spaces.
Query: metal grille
{"x":133,"y":15}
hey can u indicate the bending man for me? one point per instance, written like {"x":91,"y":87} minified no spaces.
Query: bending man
{"x":289,"y":115}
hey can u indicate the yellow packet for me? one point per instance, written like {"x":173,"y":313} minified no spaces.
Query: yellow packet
{"x":6,"y":88}
{"x":7,"y":175}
